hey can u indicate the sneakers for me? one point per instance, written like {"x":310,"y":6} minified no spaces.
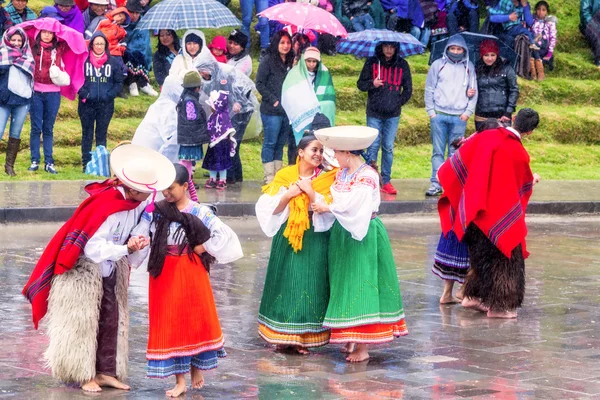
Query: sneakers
{"x":388,"y":188}
{"x":34,"y":166}
{"x":210,"y":184}
{"x":149,"y":90}
{"x":433,"y":190}
{"x":534,"y":47}
{"x":50,"y":169}
{"x":133,"y":90}
{"x":221,"y":185}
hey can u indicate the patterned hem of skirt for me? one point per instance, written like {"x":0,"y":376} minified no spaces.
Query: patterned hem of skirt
{"x":378,"y":318}
{"x":162,"y":369}
{"x":291,"y":328}
{"x":369,"y":334}
{"x":158,"y":355}
{"x":442,"y":275}
{"x":307,"y":339}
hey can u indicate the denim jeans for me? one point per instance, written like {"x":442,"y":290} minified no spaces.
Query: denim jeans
{"x":421,"y":34}
{"x":452,"y":20}
{"x":43,"y":111}
{"x":362,"y":23}
{"x":95,"y":118}
{"x":276,"y":130}
{"x":387,"y":135}
{"x":247,"y":7}
{"x":239,"y":122}
{"x":17,"y":115}
{"x":444,"y":130}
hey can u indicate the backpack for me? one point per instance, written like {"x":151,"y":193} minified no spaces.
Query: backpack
{"x":99,"y":164}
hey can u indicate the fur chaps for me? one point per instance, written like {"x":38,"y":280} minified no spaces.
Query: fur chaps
{"x":72,"y":321}
{"x":498,"y":281}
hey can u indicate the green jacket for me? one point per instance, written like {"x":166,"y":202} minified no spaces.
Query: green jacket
{"x":587,"y":9}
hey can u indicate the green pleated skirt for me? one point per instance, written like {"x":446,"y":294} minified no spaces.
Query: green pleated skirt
{"x":365,"y":303}
{"x":296,"y":292}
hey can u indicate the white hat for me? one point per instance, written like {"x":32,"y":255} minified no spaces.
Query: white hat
{"x":329,"y":159}
{"x":100,"y":2}
{"x":141,"y":168}
{"x":347,"y":137}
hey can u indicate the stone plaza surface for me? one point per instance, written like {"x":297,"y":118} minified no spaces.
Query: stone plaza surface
{"x":550,"y":352}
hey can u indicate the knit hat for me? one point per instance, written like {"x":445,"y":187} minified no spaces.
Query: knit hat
{"x":239,"y":37}
{"x":64,"y":2}
{"x":489,"y":46}
{"x":192,"y":79}
{"x":192,"y":37}
{"x":312,"y":52}
{"x":219,"y":43}
{"x":134,"y":6}
{"x":50,"y":12}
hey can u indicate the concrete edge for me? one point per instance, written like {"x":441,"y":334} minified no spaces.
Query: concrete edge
{"x":60,"y":214}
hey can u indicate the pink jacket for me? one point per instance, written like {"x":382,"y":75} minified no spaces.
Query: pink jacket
{"x":547,"y":28}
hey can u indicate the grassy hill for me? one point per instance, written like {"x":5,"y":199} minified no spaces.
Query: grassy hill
{"x":566,"y":145}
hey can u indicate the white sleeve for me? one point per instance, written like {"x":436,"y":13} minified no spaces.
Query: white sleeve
{"x":266,"y":204}
{"x":101,"y":248}
{"x":354,"y":210}
{"x":140,"y":258}
{"x":324,"y":221}
{"x":224,"y":245}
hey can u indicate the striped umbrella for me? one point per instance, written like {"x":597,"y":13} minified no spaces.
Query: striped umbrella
{"x":362,"y":44}
{"x":188,"y":14}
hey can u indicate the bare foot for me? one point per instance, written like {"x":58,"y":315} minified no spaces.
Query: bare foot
{"x":468,"y":302}
{"x":91,"y":386}
{"x":359,"y":354}
{"x":177,"y":390}
{"x":460,"y":294}
{"x":282,"y":347}
{"x":110,"y":381}
{"x":348,"y":348}
{"x":197,"y":378}
{"x":301,"y":350}
{"x":449,"y":300}
{"x":502,"y":314}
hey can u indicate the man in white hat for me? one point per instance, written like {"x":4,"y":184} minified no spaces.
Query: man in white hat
{"x":82,"y":276}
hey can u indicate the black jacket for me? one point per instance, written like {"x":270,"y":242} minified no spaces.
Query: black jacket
{"x":498,"y":90}
{"x":101,"y":84}
{"x":191,"y":123}
{"x":386,"y":101}
{"x":161,"y":67}
{"x":269,"y":81}
{"x":354,"y":8}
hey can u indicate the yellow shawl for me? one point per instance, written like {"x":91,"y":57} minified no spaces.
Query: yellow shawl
{"x":298,"y":220}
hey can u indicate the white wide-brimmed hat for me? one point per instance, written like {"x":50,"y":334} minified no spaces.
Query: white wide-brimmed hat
{"x":347,"y":137}
{"x":141,"y":168}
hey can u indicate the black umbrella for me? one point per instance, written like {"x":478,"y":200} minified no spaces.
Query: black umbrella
{"x":473,"y":40}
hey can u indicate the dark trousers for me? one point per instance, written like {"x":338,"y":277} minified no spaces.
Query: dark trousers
{"x":240,"y":123}
{"x":43,"y":111}
{"x":108,"y":328}
{"x":292,"y":148}
{"x":95,"y":118}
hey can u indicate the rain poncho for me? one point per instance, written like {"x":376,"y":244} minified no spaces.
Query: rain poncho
{"x":184,"y":62}
{"x":158,"y":129}
{"x":302,"y":98}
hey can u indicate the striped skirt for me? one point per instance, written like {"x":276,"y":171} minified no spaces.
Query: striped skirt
{"x":184,"y":326}
{"x":365,"y":305}
{"x":451,"y":261}
{"x":296,"y":291}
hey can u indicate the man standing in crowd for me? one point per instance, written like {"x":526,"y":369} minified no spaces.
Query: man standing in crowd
{"x":387,"y":80}
{"x":450,"y":99}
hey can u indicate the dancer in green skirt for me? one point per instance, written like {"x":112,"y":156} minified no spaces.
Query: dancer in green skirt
{"x":296,"y":289}
{"x":365,"y":305}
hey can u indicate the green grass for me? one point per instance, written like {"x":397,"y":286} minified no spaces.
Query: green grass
{"x":565,"y":146}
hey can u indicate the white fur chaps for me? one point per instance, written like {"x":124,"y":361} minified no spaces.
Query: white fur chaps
{"x":72,"y":321}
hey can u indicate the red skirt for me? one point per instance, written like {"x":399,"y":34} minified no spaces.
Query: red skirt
{"x":371,"y":334}
{"x":183,"y":316}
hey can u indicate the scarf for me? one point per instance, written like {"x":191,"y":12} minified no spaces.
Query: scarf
{"x":191,"y":231}
{"x":19,"y":57}
{"x":68,"y":243}
{"x":17,"y":18}
{"x":488,"y":181}
{"x":298,"y":221}
{"x":98,"y":61}
{"x":301,"y":99}
{"x":73,"y":19}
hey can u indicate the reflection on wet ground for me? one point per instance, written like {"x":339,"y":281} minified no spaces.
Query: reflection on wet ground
{"x":550,"y":352}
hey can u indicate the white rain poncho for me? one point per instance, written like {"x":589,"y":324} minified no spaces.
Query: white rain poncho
{"x":184,"y":62}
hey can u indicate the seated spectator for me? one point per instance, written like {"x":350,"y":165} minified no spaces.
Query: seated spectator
{"x":463,"y":15}
{"x":70,"y":14}
{"x":167,"y":49}
{"x":497,"y":86}
{"x":218,"y":48}
{"x":544,"y":31}
{"x":237,"y":55}
{"x":357,"y":11}
{"x":430,"y":12}
{"x":404,"y":15}
{"x":439,"y":30}
{"x":511,"y":14}
{"x":138,"y":53}
{"x":113,"y":30}
{"x":589,"y":25}
{"x":19,"y":12}
{"x":96,"y":9}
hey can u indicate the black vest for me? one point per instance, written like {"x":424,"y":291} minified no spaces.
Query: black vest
{"x":191,"y":132}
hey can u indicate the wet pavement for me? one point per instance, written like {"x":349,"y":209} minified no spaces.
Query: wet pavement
{"x":550,"y":352}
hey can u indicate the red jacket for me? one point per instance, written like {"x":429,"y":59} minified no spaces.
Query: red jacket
{"x":43,"y":62}
{"x":114,"y":33}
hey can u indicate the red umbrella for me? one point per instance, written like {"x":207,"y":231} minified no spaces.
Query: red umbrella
{"x":305,"y":16}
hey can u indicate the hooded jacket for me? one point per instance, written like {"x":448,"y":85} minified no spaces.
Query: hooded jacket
{"x":184,"y":62}
{"x":386,"y":101}
{"x":101,"y":84}
{"x":115,"y":34}
{"x":447,"y":83}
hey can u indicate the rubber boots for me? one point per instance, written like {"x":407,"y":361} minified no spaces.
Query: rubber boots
{"x":11,"y":155}
{"x":278,"y":165}
{"x":532,"y":69}
{"x":539,"y":70}
{"x":269,"y":172}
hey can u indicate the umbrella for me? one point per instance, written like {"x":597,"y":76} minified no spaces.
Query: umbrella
{"x":473,"y":40}
{"x":188,"y":14}
{"x":362,"y":44}
{"x":305,"y":16}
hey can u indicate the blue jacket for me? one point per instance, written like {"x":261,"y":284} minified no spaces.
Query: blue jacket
{"x":138,"y":41}
{"x":101,"y":84}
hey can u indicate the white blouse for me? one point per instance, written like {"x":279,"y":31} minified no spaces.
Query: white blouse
{"x":355,"y":199}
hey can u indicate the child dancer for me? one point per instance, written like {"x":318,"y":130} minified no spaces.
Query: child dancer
{"x":222,"y":144}
{"x":184,"y":330}
{"x":191,"y":126}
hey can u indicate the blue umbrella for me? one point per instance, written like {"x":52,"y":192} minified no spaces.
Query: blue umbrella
{"x":188,"y":14}
{"x":362,"y":44}
{"x":473,"y":40}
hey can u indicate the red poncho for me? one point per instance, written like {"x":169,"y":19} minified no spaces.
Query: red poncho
{"x":488,"y":181}
{"x":68,"y":243}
